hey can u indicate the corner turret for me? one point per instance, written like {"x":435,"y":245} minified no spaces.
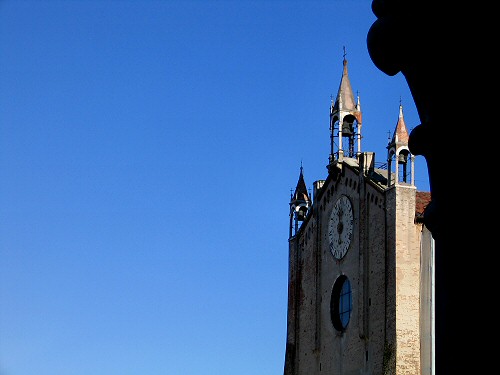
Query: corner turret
{"x":300,"y":202}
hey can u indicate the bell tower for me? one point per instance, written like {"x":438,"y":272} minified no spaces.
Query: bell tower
{"x":345,"y":121}
{"x":299,"y":204}
{"x":400,"y":161}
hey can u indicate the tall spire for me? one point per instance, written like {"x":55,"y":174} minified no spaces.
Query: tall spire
{"x":345,"y":97}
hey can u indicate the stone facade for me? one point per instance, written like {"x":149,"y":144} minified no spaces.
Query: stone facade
{"x":383,"y":265}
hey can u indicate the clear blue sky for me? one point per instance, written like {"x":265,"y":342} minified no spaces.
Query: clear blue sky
{"x":147,"y":152}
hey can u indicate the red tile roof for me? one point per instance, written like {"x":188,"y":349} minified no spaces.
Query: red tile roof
{"x":423,"y":199}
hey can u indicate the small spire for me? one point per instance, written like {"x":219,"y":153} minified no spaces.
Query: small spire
{"x":401,"y":132}
{"x":300,"y":193}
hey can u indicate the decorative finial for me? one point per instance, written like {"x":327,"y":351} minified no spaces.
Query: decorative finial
{"x":345,"y":53}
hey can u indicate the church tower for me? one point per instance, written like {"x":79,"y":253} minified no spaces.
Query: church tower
{"x":360,"y":260}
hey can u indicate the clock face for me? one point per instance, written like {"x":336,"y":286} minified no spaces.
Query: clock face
{"x":340,"y":227}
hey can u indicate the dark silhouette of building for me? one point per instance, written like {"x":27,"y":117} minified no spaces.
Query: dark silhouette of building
{"x":437,"y":49}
